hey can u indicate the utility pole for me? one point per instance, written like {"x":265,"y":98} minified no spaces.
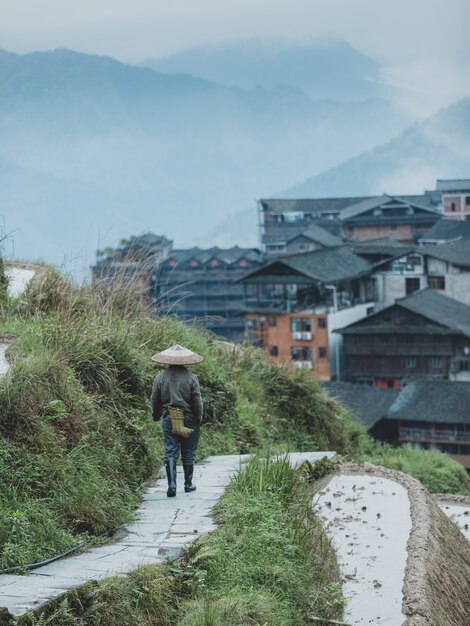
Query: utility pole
{"x":335,"y":308}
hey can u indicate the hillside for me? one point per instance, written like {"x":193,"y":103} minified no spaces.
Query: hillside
{"x":321,"y":68}
{"x":438,"y":147}
{"x":109,"y":148}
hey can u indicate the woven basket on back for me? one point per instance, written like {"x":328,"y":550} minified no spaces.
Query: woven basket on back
{"x":177,"y":422}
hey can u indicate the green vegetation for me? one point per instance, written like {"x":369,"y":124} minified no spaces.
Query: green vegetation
{"x":78,"y":443}
{"x":438,"y":472}
{"x":3,"y":281}
{"x":268,"y":563}
{"x":77,"y":438}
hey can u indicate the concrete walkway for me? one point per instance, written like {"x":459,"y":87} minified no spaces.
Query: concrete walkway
{"x":163,"y":527}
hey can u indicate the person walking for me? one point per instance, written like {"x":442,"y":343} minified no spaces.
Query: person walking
{"x":176,"y":399}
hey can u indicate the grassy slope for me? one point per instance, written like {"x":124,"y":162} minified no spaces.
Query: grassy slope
{"x":77,"y":442}
{"x":77,"y":438}
{"x":268,"y":563}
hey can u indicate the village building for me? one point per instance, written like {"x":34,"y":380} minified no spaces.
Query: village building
{"x":426,"y":414}
{"x":397,"y":217}
{"x":132,"y":261}
{"x":425,"y":335}
{"x":202,"y":285}
{"x":446,"y":231}
{"x":444,"y":267}
{"x":294,"y":303}
{"x":455,"y":198}
{"x":404,"y":218}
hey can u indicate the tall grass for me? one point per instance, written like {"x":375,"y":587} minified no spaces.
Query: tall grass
{"x":268,"y":563}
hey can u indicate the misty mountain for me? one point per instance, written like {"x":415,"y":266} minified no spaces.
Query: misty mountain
{"x":322,"y":69}
{"x":92,"y":150}
{"x":438,"y":147}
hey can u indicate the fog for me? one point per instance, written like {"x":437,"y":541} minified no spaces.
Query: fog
{"x":423,"y":44}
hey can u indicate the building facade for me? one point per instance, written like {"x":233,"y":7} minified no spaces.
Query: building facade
{"x":442,"y":267}
{"x":426,"y":335}
{"x":202,"y":285}
{"x":401,"y":218}
{"x":427,"y":415}
{"x":297,"y":338}
{"x":455,"y":198}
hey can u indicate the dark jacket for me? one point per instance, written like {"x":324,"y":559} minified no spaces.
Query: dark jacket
{"x":179,"y":387}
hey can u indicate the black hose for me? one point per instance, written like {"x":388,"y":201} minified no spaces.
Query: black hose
{"x":31,"y":566}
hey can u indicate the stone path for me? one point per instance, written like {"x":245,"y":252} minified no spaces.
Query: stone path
{"x":163,"y":527}
{"x":368,"y":520}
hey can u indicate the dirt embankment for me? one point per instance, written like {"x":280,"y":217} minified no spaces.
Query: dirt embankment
{"x":436,"y":589}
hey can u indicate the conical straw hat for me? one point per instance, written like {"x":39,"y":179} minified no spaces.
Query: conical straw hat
{"x":177,"y":355}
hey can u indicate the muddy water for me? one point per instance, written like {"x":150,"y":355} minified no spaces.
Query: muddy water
{"x":460,"y":514}
{"x":18,"y":280}
{"x":368,"y":520}
{"x":4,"y":365}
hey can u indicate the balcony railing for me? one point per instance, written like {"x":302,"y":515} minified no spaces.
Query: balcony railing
{"x":426,"y":434}
{"x":303,"y":365}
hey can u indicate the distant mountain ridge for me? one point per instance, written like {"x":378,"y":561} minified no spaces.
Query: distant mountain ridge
{"x":322,"y":69}
{"x":438,"y":147}
{"x":115,"y":149}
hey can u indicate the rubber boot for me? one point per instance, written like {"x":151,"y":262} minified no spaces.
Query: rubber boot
{"x":188,"y":478}
{"x":170,"y":467}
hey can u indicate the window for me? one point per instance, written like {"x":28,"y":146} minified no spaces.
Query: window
{"x":436,"y":362}
{"x":272,"y":321}
{"x":452,"y":206}
{"x":384,"y":339}
{"x":301,"y":353}
{"x":412,"y":285}
{"x":410,"y":362}
{"x":243,"y":263}
{"x":322,"y":353}
{"x":273,"y":351}
{"x":394,"y":227}
{"x":414,"y":259}
{"x":193,"y":263}
{"x":214,"y":263}
{"x":252,"y":324}
{"x":301,"y":325}
{"x":437,"y":282}
{"x":321,"y":322}
{"x":293,"y":216}
{"x":467,"y":200}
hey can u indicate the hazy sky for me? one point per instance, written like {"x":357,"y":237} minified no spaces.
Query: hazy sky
{"x":423,"y":43}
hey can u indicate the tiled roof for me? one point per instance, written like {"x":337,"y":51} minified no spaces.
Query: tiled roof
{"x":309,"y":205}
{"x":329,"y":264}
{"x":449,"y":314}
{"x":365,"y":206}
{"x":448,"y":230}
{"x":455,"y":252}
{"x":227,"y":255}
{"x":457,"y":184}
{"x":433,"y":401}
{"x":367,"y":404}
{"x":318,"y":234}
{"x":436,"y":401}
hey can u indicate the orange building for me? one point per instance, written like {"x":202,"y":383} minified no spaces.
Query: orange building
{"x":299,"y":338}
